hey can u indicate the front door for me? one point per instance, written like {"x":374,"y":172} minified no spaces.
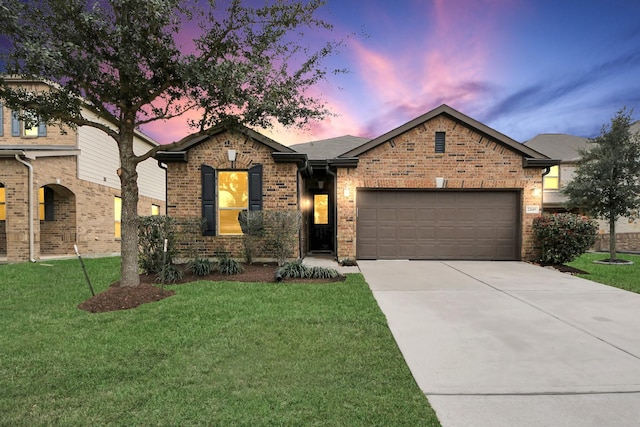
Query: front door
{"x":321,"y":222}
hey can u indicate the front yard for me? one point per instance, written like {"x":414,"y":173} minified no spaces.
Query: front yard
{"x":621,"y":276}
{"x":216,"y":353}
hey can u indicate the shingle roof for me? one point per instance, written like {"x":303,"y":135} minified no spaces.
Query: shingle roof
{"x":329,"y":148}
{"x":524,"y":151}
{"x":558,"y":146}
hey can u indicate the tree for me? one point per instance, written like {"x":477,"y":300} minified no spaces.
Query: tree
{"x":607,"y":180}
{"x":122,"y":60}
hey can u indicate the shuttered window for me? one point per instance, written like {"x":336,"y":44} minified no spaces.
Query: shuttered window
{"x":226,"y":194}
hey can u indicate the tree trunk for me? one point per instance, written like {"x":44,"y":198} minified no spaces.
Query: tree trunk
{"x":612,"y":238}
{"x":129,"y":221}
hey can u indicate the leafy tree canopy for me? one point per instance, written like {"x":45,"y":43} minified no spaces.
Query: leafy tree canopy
{"x":607,"y":180}
{"x":132,"y":62}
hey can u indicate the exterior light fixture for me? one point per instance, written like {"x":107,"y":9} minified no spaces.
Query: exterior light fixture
{"x":232,"y":158}
{"x":321,"y":184}
{"x":439,"y":182}
{"x":347,"y":191}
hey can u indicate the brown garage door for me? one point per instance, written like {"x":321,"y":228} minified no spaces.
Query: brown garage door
{"x":474,"y":225}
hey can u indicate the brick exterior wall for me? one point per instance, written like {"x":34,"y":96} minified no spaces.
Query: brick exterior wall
{"x":83,"y":211}
{"x":471,"y":161}
{"x":279,"y":190}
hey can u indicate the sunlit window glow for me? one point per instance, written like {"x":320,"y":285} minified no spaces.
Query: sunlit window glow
{"x":233,"y":197}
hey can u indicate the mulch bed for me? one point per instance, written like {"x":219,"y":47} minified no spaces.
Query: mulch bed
{"x":566,"y":269}
{"x":118,"y":297}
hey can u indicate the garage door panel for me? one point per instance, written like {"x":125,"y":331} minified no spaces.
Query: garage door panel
{"x":438,"y":225}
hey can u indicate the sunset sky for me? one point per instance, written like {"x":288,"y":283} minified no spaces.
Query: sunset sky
{"x":522,"y":67}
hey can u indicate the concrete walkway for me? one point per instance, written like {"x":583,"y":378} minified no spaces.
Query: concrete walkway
{"x":513,"y":344}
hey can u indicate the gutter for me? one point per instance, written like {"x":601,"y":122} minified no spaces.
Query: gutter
{"x":166,"y":187}
{"x":30,"y":193}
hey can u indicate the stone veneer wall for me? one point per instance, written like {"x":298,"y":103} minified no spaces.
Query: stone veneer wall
{"x":279,"y":190}
{"x":409,"y":161}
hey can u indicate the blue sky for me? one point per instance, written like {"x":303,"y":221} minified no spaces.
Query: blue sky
{"x":522,"y":67}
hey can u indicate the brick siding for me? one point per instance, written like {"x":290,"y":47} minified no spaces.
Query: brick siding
{"x":409,"y":161}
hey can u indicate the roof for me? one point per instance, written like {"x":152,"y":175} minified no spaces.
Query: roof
{"x":223,"y":127}
{"x":524,"y":151}
{"x":329,"y":148}
{"x":558,"y":146}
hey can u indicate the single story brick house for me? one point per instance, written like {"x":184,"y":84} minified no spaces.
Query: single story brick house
{"x":442,"y":186}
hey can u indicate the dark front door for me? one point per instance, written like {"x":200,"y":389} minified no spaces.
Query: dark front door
{"x":321,"y":222}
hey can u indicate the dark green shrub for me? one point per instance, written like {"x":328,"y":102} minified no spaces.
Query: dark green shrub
{"x":318,"y":272}
{"x":293,"y":269}
{"x":561,"y":238}
{"x":152,"y":230}
{"x":229,"y":266}
{"x":171,"y":274}
{"x":200,"y":266}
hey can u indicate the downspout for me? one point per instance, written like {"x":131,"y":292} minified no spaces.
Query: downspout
{"x":166,"y":186}
{"x":546,"y":172}
{"x":30,"y":195}
{"x":304,"y":166}
{"x":335,"y":210}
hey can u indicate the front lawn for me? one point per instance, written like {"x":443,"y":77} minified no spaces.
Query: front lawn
{"x":621,"y":276}
{"x":216,"y":353}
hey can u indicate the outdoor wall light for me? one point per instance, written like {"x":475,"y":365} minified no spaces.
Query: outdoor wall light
{"x":535,"y":192}
{"x":232,"y":155}
{"x":439,"y":182}
{"x":347,"y":191}
{"x":321,"y":184}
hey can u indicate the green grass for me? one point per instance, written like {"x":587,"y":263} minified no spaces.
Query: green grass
{"x":621,"y":276}
{"x":216,"y":353}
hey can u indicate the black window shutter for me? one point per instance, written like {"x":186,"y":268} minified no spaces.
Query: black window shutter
{"x":48,"y":204}
{"x":209,"y":199}
{"x":440,"y":142}
{"x":255,"y":188}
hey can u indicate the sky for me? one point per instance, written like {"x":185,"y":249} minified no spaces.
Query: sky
{"x":522,"y":67}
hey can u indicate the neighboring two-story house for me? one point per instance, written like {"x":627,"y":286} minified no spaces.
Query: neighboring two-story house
{"x":60,"y":189}
{"x":566,"y":148}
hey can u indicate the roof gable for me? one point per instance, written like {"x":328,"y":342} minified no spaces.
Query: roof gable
{"x":524,"y":151}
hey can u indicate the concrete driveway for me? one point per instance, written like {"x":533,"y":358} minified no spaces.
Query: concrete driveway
{"x":513,"y":344}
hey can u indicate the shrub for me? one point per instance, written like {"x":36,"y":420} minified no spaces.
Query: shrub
{"x":293,"y":269}
{"x":252,"y":224}
{"x":561,"y":238}
{"x":298,"y":270}
{"x":229,"y":266}
{"x":152,"y":231}
{"x":200,"y":266}
{"x":171,"y":274}
{"x":282,"y":228}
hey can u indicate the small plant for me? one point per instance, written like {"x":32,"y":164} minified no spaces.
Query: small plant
{"x":282,"y":230}
{"x":200,"y":266}
{"x":561,"y":238}
{"x":318,"y":272}
{"x":293,"y":269}
{"x":348,"y":262}
{"x":152,"y":230}
{"x":298,"y":270}
{"x":252,"y":224}
{"x":170,"y":274}
{"x":229,"y":266}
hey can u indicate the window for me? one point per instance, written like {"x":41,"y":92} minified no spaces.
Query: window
{"x":30,"y":128}
{"x":225,"y":194}
{"x":117,"y":215}
{"x":3,"y":204}
{"x":45,"y":204}
{"x":321,"y":209}
{"x":233,"y":197}
{"x":440,"y":142}
{"x":551,"y":181}
{"x":155,"y":210}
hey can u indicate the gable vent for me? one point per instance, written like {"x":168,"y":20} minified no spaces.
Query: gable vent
{"x":440,"y":142}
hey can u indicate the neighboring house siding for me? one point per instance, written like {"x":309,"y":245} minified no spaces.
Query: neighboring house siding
{"x":470,"y":162}
{"x":99,"y":163}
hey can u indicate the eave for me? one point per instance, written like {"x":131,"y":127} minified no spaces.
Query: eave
{"x":528,"y":162}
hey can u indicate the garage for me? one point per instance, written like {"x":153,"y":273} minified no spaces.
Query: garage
{"x":461,"y":225}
